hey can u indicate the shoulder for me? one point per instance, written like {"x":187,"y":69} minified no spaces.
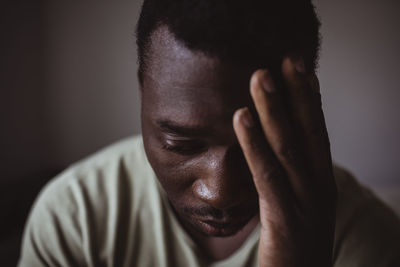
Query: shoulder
{"x":123,"y":162}
{"x":367,"y":231}
{"x":76,"y":214}
{"x":113,"y":171}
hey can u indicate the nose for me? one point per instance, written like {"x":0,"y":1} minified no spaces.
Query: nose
{"x":224,"y":181}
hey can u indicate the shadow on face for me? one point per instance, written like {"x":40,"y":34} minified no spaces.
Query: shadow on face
{"x":188,"y":100}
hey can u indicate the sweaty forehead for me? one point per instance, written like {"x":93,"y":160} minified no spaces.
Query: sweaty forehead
{"x":185,"y":84}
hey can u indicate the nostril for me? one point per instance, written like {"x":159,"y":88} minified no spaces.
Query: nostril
{"x":222,"y":182}
{"x":216,"y":195}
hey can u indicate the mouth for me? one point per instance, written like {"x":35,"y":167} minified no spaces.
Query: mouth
{"x":220,"y":228}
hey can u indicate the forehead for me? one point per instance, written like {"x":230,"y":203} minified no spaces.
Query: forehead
{"x":184,"y":85}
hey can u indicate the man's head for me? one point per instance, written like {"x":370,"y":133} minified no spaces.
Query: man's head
{"x":256,"y":32}
{"x":196,"y":58}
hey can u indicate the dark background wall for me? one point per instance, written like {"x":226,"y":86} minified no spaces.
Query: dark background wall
{"x":68,"y":87}
{"x":359,"y":74}
{"x":23,"y":130}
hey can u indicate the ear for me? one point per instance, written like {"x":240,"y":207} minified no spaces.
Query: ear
{"x":140,"y":80}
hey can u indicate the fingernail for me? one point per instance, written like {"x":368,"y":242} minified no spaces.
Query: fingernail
{"x":247,"y":119}
{"x":299,"y":65}
{"x":266,"y":83}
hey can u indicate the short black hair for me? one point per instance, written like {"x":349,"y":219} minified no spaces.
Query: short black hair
{"x":256,"y":32}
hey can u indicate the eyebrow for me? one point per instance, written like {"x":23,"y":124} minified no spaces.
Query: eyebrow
{"x":169,"y":126}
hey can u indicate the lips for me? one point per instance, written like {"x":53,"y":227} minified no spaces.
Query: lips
{"x":220,"y":228}
{"x":218,"y":224}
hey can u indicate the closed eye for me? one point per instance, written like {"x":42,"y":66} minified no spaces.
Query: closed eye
{"x":184,"y":147}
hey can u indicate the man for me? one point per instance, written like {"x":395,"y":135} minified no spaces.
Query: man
{"x":234,"y":167}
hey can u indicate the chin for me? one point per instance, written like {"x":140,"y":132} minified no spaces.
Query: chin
{"x":208,"y":225}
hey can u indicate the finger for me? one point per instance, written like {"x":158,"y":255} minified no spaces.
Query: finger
{"x":269,"y":178}
{"x":306,"y":110}
{"x":278,"y":130}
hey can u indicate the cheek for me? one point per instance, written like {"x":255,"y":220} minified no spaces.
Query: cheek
{"x":175,"y":173}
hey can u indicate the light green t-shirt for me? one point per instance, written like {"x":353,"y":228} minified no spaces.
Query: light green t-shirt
{"x":109,"y":210}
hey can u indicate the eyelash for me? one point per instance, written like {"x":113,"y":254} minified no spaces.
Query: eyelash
{"x":184,"y":149}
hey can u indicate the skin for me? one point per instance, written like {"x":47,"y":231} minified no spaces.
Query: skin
{"x":230,"y":155}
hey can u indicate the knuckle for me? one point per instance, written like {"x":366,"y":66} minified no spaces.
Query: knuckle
{"x":269,"y":174}
{"x":272,"y":172}
{"x":255,"y":146}
{"x":273,"y":111}
{"x":287,"y":152}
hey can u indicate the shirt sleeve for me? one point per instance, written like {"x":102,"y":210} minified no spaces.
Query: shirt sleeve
{"x":52,"y":235}
{"x":371,"y":238}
